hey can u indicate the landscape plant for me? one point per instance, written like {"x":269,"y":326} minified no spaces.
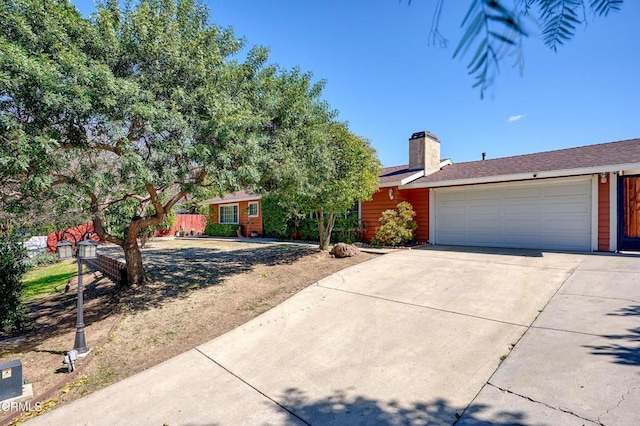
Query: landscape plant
{"x":126,"y":113}
{"x":397,"y":226}
{"x":13,"y":315}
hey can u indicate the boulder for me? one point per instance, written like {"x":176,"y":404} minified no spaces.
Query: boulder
{"x":344,"y":250}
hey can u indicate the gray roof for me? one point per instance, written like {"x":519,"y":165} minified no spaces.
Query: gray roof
{"x":606,"y":154}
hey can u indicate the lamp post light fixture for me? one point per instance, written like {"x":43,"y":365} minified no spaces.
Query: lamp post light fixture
{"x":86,"y":249}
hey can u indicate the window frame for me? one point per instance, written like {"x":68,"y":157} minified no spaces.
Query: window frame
{"x":236,"y":214}
{"x":257,"y":204}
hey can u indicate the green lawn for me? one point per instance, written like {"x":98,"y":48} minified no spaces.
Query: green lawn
{"x":48,"y":279}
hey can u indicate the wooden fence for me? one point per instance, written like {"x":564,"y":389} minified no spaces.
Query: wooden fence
{"x":187,"y":223}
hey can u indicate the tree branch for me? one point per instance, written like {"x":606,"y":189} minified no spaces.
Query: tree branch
{"x":97,"y":224}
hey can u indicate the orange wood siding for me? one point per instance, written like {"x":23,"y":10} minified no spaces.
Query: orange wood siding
{"x":419,"y":199}
{"x":631,"y":207}
{"x":603,"y":215}
{"x":372,"y":210}
{"x":248,"y":223}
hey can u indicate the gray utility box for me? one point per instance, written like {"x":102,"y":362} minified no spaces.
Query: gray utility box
{"x":10,"y":379}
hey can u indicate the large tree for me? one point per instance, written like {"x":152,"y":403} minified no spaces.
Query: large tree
{"x":337,"y":175}
{"x":133,"y":109}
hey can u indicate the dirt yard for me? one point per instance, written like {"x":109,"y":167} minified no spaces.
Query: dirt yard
{"x":197,"y":290}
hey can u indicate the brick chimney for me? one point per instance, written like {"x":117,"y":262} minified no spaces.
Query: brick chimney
{"x":424,"y":152}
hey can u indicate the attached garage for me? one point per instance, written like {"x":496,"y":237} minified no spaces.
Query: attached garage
{"x":541,"y":214}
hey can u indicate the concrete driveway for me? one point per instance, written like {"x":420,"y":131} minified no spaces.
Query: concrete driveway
{"x":412,"y":337}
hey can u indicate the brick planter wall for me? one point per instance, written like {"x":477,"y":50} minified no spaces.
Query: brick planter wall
{"x":112,"y":268}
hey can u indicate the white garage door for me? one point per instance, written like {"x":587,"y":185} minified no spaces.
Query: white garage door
{"x":553,"y":214}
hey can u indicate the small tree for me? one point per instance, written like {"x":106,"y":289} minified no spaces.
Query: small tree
{"x":397,"y":226}
{"x":13,"y":314}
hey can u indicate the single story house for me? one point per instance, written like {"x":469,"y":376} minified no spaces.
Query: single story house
{"x":238,"y":208}
{"x":578,"y":199}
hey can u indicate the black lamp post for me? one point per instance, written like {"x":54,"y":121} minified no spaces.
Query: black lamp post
{"x":86,"y":249}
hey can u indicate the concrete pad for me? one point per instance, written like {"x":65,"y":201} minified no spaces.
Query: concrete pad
{"x":612,"y":263}
{"x":611,"y":284}
{"x":519,"y":257}
{"x":186,"y":390}
{"x":496,"y":407}
{"x":477,"y":286}
{"x":331,"y":356}
{"x":589,"y":376}
{"x":590,"y":314}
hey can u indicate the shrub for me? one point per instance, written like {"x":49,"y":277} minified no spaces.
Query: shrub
{"x":13,"y":314}
{"x":274,"y":218}
{"x":308,"y":230}
{"x":44,"y":258}
{"x":397,"y":226}
{"x":221,"y":230}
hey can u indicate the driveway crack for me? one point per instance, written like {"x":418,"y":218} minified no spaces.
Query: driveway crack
{"x":618,"y":404}
{"x":254,"y":388}
{"x":546,"y":405}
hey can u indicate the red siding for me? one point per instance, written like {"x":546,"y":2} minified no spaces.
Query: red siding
{"x":77,"y":232}
{"x":419,"y":199}
{"x":249,"y":224}
{"x":372,"y":210}
{"x":603,"y":215}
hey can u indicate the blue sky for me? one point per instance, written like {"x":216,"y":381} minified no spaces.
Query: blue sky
{"x":387,"y":82}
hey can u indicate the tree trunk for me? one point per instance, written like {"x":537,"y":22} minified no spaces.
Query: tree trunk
{"x":329,"y":229}
{"x":133,"y":256}
{"x":324,"y":232}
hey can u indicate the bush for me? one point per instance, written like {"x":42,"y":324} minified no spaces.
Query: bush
{"x":44,"y":258}
{"x":345,"y":229}
{"x":397,"y":226}
{"x":308,"y":230}
{"x":13,"y":314}
{"x":221,"y":230}
{"x":274,"y":218}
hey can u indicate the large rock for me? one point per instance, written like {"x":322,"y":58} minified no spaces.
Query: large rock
{"x":344,"y":250}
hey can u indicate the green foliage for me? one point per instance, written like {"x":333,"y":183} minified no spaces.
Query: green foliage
{"x":13,"y":316}
{"x":274,"y":217}
{"x":127,"y":113}
{"x":48,"y":279}
{"x":345,"y":230}
{"x":221,"y":230}
{"x":397,"y":226}
{"x":41,"y":259}
{"x":308,"y":230}
{"x":338,"y":173}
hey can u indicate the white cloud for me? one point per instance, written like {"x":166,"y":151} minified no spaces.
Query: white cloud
{"x":514,"y":118}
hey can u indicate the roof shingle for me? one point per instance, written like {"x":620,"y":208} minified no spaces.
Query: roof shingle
{"x":606,"y":154}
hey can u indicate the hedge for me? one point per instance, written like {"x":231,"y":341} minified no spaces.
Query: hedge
{"x":221,"y":230}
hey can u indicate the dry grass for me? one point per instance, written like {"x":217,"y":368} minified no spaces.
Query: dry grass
{"x":198,"y":290}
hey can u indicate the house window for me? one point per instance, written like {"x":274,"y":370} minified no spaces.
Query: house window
{"x":253,"y":209}
{"x":228,"y":214}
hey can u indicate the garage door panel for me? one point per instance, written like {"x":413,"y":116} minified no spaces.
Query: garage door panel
{"x":520,"y":193}
{"x":553,"y":215}
{"x":565,"y":242}
{"x":531,"y":223}
{"x":561,"y":225}
{"x":583,"y":189}
{"x":483,"y":224}
{"x":521,"y":209}
{"x":568,"y":207}
{"x":484,"y":209}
